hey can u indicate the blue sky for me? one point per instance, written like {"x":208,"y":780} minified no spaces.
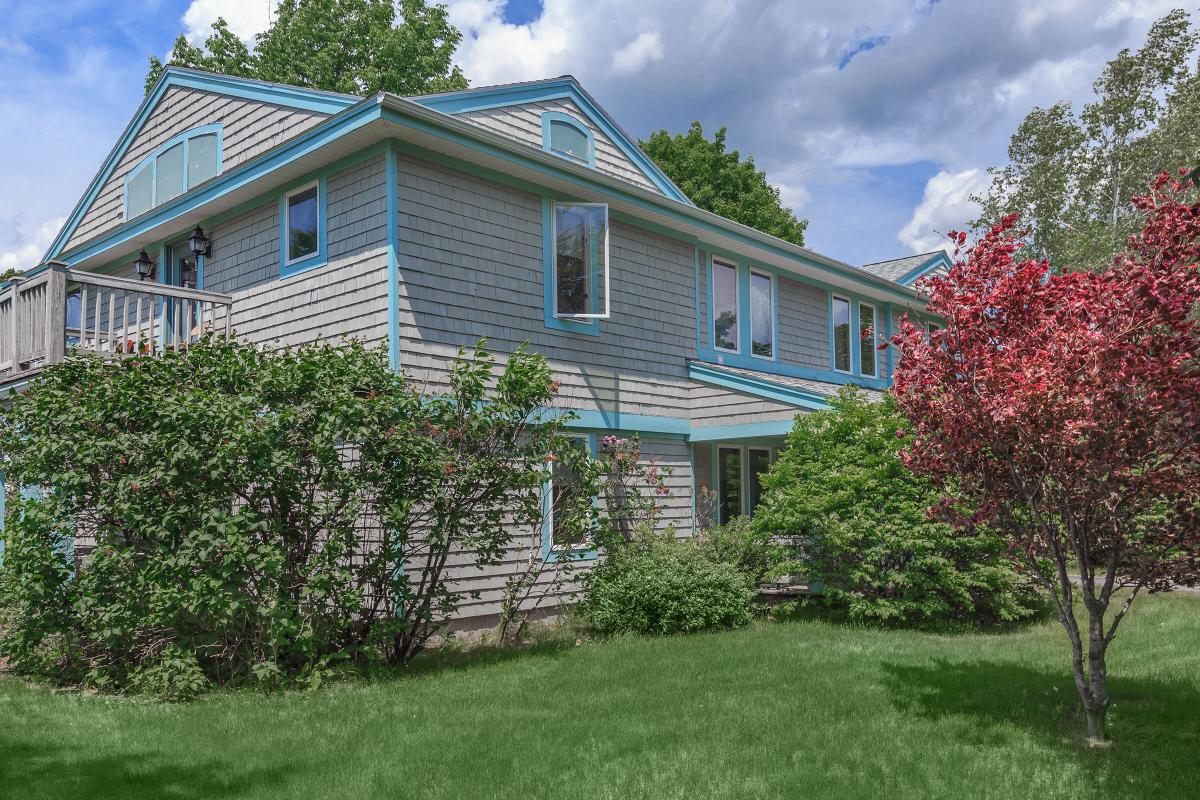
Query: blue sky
{"x":877,"y":118}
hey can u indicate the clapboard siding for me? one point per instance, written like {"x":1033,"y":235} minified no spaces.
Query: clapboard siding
{"x":715,"y":405}
{"x":471,"y":266}
{"x":803,"y":324}
{"x":248,"y":128}
{"x":523,"y":122}
{"x":345,"y":298}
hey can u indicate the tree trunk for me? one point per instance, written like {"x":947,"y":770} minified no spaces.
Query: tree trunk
{"x":1092,"y":683}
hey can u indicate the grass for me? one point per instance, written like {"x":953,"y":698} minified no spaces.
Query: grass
{"x":793,"y":709}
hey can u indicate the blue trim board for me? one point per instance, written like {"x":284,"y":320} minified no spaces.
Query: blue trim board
{"x":392,"y":209}
{"x":291,"y":96}
{"x":758,"y":387}
{"x":729,"y":433}
{"x":938,"y":259}
{"x":567,"y":88}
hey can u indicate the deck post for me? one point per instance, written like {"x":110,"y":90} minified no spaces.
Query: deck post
{"x":12,"y":344}
{"x":56,"y":314}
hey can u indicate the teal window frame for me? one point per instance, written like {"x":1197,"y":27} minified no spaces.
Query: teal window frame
{"x":319,"y":258}
{"x":550,"y":553}
{"x":851,"y":325}
{"x":150,"y":162}
{"x":550,"y":119}
{"x":714,"y":261}
{"x":589,"y":325}
{"x":746,"y":506}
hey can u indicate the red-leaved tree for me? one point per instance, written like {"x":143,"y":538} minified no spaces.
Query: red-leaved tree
{"x":1062,"y":408}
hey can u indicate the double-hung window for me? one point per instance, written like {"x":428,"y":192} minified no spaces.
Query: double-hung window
{"x":841,"y":334}
{"x":302,"y":228}
{"x":179,"y":164}
{"x":580,"y":261}
{"x":725,"y":305}
{"x":869,"y":336}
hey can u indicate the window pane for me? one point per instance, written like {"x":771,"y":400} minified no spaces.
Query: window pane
{"x":302,"y":224}
{"x":580,"y":255}
{"x":139,"y":195}
{"x":868,"y":334}
{"x":567,"y":139}
{"x":762,"y":315}
{"x":729,"y":465}
{"x":725,"y":325}
{"x":841,"y":334}
{"x":760,"y":462}
{"x":566,"y":529}
{"x":202,"y":159}
{"x":169,"y":180}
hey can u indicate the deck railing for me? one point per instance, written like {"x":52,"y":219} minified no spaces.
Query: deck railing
{"x":43,"y":317}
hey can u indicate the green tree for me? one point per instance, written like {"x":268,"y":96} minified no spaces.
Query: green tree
{"x":721,"y":182}
{"x":841,"y":489}
{"x":1071,"y":177}
{"x":353,"y":46}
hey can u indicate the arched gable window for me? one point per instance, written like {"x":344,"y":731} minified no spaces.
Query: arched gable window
{"x":180,"y":163}
{"x":566,"y":136}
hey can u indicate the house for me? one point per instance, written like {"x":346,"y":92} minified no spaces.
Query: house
{"x":518,"y":213}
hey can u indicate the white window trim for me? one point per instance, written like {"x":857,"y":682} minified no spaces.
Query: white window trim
{"x":737,"y":306}
{"x":774,"y":315}
{"x":874,"y":337}
{"x":554,"y":262}
{"x":833,"y":333}
{"x":287,"y":222}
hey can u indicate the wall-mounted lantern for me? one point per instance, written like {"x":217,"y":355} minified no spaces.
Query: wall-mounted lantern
{"x":144,"y":267}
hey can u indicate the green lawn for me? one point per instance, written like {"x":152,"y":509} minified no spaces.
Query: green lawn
{"x":797,"y":709}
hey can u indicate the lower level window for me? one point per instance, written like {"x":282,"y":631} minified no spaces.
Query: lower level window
{"x":729,"y":483}
{"x":568,"y":524}
{"x":758,"y":459}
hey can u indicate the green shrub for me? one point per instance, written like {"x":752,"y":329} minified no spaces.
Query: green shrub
{"x":753,"y":551}
{"x":226,"y":488}
{"x":659,"y":585}
{"x":840,"y":488}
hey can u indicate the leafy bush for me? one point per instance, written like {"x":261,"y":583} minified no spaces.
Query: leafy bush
{"x":259,"y":516}
{"x":841,"y":488}
{"x":656,"y":584}
{"x":754,"y":551}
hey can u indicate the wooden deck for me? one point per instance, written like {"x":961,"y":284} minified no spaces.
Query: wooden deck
{"x":61,"y":310}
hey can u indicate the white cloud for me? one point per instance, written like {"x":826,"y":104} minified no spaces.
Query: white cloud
{"x":245,"y":17}
{"x":638,"y":54}
{"x":28,"y":253}
{"x":945,"y":206}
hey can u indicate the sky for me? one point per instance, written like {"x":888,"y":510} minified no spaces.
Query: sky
{"x":876,"y":118}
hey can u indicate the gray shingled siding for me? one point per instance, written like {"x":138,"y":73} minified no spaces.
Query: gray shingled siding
{"x":524,"y":123}
{"x":471,"y":265}
{"x":703,"y":295}
{"x":249,"y":128}
{"x":489,"y":582}
{"x":803,"y":324}
{"x":716,"y":405}
{"x":702,"y":458}
{"x":345,"y":298}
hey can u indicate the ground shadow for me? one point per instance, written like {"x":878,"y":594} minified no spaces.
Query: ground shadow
{"x":1153,"y":724}
{"x":452,"y":659}
{"x":31,"y":769}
